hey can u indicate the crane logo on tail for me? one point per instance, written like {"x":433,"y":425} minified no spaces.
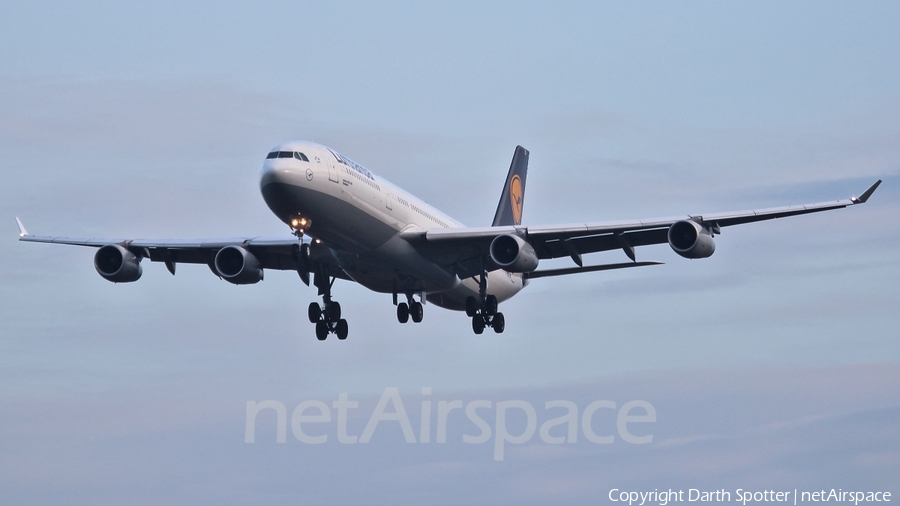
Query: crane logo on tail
{"x":515,"y":198}
{"x":512,"y":198}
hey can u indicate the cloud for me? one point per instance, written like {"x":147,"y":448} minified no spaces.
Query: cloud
{"x":777,"y":427}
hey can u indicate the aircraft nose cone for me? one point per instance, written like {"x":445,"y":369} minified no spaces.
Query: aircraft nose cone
{"x":270,"y":174}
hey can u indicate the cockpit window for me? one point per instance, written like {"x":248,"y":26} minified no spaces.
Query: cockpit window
{"x":287,"y":154}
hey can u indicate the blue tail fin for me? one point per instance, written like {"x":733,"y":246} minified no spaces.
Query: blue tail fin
{"x":509,"y":210}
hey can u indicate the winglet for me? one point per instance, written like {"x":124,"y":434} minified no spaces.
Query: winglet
{"x":22,"y":231}
{"x":868,"y":193}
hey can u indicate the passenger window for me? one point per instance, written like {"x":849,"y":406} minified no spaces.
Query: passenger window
{"x":273,"y":154}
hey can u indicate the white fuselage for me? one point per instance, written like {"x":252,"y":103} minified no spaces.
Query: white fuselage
{"x":358,"y":217}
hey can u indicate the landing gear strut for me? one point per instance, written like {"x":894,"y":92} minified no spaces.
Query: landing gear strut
{"x":484,"y":313}
{"x":328,"y":316}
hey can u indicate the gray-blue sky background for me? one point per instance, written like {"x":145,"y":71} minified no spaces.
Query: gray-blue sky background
{"x":774,"y":362}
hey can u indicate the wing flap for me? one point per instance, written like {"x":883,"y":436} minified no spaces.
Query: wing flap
{"x":556,"y":248}
{"x":590,"y":268}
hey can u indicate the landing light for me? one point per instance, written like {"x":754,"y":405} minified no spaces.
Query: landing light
{"x":299,"y":224}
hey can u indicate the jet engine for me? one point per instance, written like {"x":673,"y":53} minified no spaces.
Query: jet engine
{"x":238,"y":266}
{"x":115,"y":263}
{"x":513,"y":253}
{"x":691,"y":240}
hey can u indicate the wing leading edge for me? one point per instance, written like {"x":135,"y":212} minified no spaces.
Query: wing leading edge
{"x":278,"y":253}
{"x":468,"y":249}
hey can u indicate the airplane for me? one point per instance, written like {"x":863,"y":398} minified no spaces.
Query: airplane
{"x":362,"y":228}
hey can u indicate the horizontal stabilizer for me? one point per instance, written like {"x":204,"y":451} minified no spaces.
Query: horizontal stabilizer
{"x":590,"y":268}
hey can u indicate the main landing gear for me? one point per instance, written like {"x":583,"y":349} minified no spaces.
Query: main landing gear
{"x":485,"y":314}
{"x":411,"y":309}
{"x":328,"y":316}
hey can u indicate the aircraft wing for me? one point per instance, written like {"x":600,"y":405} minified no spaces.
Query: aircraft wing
{"x":278,"y":253}
{"x":467,"y":249}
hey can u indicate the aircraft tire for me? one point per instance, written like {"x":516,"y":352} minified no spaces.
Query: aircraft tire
{"x":490,"y":304}
{"x":314,"y":312}
{"x":471,"y":306}
{"x":478,"y":324}
{"x":402,"y":312}
{"x":417,"y":312}
{"x":321,"y":330}
{"x":333,"y":312}
{"x":341,"y":329}
{"x":499,"y":323}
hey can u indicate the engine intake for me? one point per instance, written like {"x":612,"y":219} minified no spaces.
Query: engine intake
{"x":691,"y":240}
{"x":115,"y":263}
{"x":238,"y":266}
{"x":513,"y":253}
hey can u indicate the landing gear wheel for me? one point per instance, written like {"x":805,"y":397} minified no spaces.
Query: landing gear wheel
{"x":341,"y":329}
{"x":402,"y":312}
{"x":471,"y":306}
{"x":490,"y":304}
{"x":478,"y":324}
{"x":499,"y":323}
{"x":332,"y":312}
{"x":416,"y":312}
{"x":314,"y":312}
{"x":327,"y":317}
{"x":321,"y":330}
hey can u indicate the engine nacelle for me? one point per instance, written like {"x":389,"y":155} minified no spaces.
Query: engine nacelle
{"x":513,"y":253}
{"x":238,"y":266}
{"x":115,"y":263}
{"x":690,"y":240}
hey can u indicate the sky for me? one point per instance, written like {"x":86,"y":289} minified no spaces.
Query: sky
{"x":773,"y":364}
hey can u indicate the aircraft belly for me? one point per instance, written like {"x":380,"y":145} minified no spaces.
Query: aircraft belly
{"x":501,"y":284}
{"x":332,"y":219}
{"x":397,"y":266}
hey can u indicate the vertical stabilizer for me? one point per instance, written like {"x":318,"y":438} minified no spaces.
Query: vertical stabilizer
{"x":509,"y":210}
